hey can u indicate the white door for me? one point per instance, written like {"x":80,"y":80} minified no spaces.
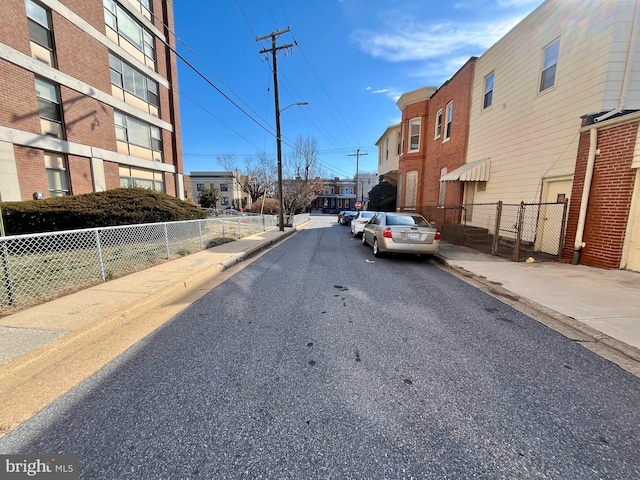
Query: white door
{"x":633,"y":256}
{"x":551,"y":216}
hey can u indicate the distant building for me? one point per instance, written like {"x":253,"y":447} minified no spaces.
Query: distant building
{"x":336,"y":195}
{"x":230,"y":190}
{"x":366,"y":181}
{"x":88,"y":98}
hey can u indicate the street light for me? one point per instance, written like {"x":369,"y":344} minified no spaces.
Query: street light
{"x":279,"y":150}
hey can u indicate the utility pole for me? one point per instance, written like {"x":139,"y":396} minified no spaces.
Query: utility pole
{"x":274,"y":54}
{"x":357,"y":155}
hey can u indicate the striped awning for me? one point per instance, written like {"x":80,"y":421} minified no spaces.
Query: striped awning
{"x":477,"y":171}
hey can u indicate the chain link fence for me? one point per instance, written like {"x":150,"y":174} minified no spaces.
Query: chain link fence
{"x":39,"y":267}
{"x":516,"y":231}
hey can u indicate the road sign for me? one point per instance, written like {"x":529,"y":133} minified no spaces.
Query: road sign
{"x":358,"y":205}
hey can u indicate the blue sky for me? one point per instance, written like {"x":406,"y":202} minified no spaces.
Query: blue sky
{"x":351,"y":59}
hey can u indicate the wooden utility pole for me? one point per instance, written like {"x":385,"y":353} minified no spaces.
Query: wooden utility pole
{"x":274,"y":55}
{"x":357,"y":155}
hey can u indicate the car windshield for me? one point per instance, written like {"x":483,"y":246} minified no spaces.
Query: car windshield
{"x":366,"y":214}
{"x":416,"y":220}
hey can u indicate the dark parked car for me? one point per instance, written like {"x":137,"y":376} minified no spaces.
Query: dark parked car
{"x":347,"y":216}
{"x":401,"y":233}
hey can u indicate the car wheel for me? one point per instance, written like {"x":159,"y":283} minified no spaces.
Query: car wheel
{"x":364,"y":240}
{"x":376,"y":251}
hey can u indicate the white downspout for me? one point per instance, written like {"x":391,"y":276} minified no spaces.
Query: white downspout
{"x":591,"y":161}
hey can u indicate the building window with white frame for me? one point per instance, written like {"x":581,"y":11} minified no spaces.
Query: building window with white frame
{"x":438,"y":124}
{"x":549,"y":65}
{"x":138,"y":138}
{"x":447,"y":129}
{"x":49,"y":107}
{"x":127,"y":79}
{"x":387,"y":148}
{"x":57,"y":176}
{"x":488,"y":90}
{"x":132,"y":177}
{"x":126,"y":31}
{"x":224,"y":187}
{"x":414,"y":134}
{"x":39,"y":23}
{"x":399,"y":142}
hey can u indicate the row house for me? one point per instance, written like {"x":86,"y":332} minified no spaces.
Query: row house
{"x":525,"y":118}
{"x":88,"y":98}
{"x":231,"y":192}
{"x":337,"y":194}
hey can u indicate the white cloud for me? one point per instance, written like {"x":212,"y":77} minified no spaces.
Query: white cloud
{"x":383,"y":90}
{"x":432,"y":41}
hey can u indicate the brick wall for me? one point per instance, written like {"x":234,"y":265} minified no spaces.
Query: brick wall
{"x":32,"y":175}
{"x":111,"y":175}
{"x":80,"y":174}
{"x":87,"y":121}
{"x":12,"y":15}
{"x":609,"y":200}
{"x":410,"y":161}
{"x":451,"y":153}
{"x":18,"y":104}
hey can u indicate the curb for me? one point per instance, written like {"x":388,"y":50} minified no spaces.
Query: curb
{"x":574,"y":326}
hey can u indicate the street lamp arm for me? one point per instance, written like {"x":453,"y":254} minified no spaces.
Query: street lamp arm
{"x":294,"y":104}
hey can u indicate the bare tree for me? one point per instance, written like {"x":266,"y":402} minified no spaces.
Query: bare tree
{"x":256,"y":177}
{"x":304,"y":181}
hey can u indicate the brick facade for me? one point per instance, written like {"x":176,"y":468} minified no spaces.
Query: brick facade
{"x":451,"y":153}
{"x":87,"y":121}
{"x":609,"y":199}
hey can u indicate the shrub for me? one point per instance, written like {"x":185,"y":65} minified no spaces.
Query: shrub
{"x":121,"y":206}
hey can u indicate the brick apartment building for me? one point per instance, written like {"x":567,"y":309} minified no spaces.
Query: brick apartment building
{"x":88,"y":98}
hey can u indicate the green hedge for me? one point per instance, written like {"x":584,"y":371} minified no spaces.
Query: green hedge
{"x":122,"y":206}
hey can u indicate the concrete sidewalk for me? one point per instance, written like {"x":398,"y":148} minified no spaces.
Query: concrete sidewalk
{"x":602,"y":304}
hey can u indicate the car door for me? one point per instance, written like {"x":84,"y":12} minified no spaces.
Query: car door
{"x":370,"y":228}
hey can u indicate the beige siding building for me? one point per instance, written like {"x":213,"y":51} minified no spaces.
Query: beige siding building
{"x":565,"y":60}
{"x":389,"y":145}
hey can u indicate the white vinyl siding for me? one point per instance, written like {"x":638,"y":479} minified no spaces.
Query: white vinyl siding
{"x":532,"y":135}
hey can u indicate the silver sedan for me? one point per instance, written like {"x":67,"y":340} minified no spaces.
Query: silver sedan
{"x":401,"y":233}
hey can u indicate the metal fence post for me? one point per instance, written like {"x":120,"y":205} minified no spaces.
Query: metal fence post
{"x":224,"y":239}
{"x":200,"y":222}
{"x":516,"y":251}
{"x":7,"y":277}
{"x":100,"y":259}
{"x":563,"y":228}
{"x":166,"y":241}
{"x":496,"y":229}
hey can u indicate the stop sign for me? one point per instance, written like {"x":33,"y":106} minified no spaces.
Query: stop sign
{"x":358,"y":204}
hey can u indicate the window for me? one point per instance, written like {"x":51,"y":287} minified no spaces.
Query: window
{"x":548,"y":77}
{"x":224,"y":187}
{"x":128,"y":29}
{"x":127,"y":78}
{"x":199,"y":187}
{"x":488,"y":90}
{"x":57,"y":177}
{"x":447,"y":131}
{"x":131,"y":177}
{"x":136,"y":132}
{"x":49,"y":108}
{"x":40,"y":33}
{"x":443,"y":187}
{"x":438,"y":124}
{"x":414,"y":134}
{"x":225,"y":200}
{"x":48,"y":100}
{"x":387,"y":148}
{"x":399,"y":141}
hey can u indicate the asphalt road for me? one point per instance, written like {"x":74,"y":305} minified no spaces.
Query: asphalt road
{"x":320,"y":361}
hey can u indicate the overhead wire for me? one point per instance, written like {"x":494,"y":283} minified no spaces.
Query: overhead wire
{"x":230,"y":100}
